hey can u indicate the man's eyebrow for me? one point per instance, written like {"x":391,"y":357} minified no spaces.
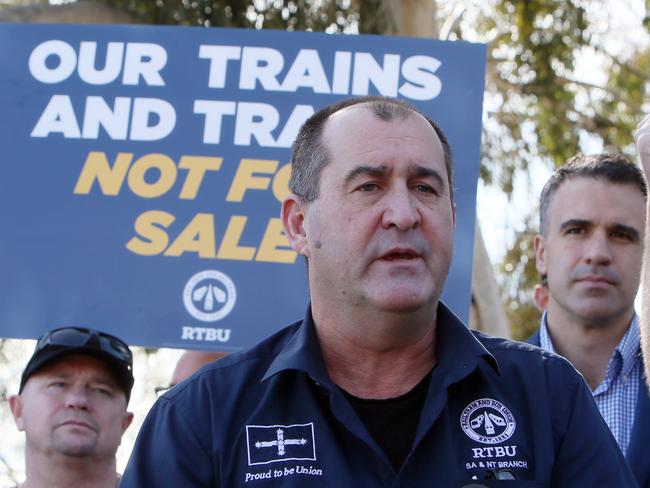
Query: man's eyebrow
{"x":381,"y":171}
{"x":49,"y":376}
{"x":104,"y":379}
{"x":424,"y":172}
{"x":627,"y":229}
{"x":574,"y":223}
{"x":372,"y":171}
{"x":101,"y":379}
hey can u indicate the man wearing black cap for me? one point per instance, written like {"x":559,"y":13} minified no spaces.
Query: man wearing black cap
{"x":71,"y":405}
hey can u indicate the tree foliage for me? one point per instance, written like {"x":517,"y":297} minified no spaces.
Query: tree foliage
{"x":519,"y":277}
{"x":328,"y":15}
{"x":546,"y":111}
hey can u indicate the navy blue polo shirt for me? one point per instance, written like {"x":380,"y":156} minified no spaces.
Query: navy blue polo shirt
{"x":270,"y":416}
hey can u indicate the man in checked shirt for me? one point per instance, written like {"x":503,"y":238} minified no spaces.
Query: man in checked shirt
{"x":590,"y":246}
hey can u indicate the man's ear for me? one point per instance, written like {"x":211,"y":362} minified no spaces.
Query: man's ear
{"x":540,"y":254}
{"x":126,"y":421}
{"x":16,"y":406}
{"x":293,"y":220}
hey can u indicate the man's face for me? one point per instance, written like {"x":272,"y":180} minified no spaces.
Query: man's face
{"x":380,"y":234}
{"x":592,"y":253}
{"x":73,"y":407}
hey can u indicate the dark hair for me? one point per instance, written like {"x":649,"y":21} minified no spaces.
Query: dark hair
{"x":614,"y":168}
{"x":310,"y":155}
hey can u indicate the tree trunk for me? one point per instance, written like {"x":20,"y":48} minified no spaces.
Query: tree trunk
{"x":415,"y":18}
{"x":487,"y":311}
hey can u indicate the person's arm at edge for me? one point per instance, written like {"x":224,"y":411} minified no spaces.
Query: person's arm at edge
{"x":642,"y":139}
{"x":168,"y":451}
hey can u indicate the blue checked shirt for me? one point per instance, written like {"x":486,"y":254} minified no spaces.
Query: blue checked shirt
{"x":617,"y":394}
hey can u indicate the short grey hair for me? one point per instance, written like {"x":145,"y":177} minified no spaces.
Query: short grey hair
{"x":310,"y":155}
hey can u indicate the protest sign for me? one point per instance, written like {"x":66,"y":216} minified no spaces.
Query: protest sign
{"x":142,"y":170}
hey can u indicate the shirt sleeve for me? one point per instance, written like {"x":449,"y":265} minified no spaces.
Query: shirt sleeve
{"x":169,"y":451}
{"x":588,"y":454}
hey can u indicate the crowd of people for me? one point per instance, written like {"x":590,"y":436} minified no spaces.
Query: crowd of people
{"x":380,"y":384}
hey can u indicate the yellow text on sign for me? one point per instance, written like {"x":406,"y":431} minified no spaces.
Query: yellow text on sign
{"x":198,"y":236}
{"x":154,"y":175}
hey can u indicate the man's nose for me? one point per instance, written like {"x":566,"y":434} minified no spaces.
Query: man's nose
{"x":77,"y":396}
{"x":598,"y":251}
{"x":401,"y":210}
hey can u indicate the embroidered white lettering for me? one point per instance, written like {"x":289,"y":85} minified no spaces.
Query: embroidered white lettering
{"x":257,"y":476}
{"x":496,"y":452}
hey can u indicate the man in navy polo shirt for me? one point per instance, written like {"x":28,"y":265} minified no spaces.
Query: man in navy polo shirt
{"x":380,"y":384}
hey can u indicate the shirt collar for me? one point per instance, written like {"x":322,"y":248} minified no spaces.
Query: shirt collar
{"x":630,"y":345}
{"x":457,"y":350}
{"x":301,"y":352}
{"x":545,"y":341}
{"x":627,"y":349}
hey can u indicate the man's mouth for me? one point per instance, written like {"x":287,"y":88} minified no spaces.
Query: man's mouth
{"x":596,"y":279}
{"x":77,"y":423}
{"x":400,"y":255}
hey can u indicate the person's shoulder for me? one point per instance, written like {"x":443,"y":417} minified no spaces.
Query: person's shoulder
{"x":501,"y":345}
{"x":238,"y":368}
{"x":262,"y":352}
{"x":509,"y":352}
{"x":223,"y":393}
{"x":530,"y":371}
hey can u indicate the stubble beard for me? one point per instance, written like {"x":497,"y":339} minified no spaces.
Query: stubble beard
{"x":77,"y":448}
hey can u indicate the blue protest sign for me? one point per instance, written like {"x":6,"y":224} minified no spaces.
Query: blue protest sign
{"x":142,"y":171}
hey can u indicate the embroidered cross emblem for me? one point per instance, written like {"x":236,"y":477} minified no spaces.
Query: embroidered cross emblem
{"x":280,"y":442}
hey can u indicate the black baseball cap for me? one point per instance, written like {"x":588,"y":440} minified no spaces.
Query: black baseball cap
{"x":65,"y":341}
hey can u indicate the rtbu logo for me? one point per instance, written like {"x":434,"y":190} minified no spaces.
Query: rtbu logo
{"x":488,"y":421}
{"x":209,"y":295}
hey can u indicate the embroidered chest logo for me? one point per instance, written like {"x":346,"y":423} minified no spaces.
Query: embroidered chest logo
{"x":275,"y":443}
{"x":487,"y":421}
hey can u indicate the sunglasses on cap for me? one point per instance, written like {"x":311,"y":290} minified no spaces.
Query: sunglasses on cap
{"x":60,"y":342}
{"x":82,"y":337}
